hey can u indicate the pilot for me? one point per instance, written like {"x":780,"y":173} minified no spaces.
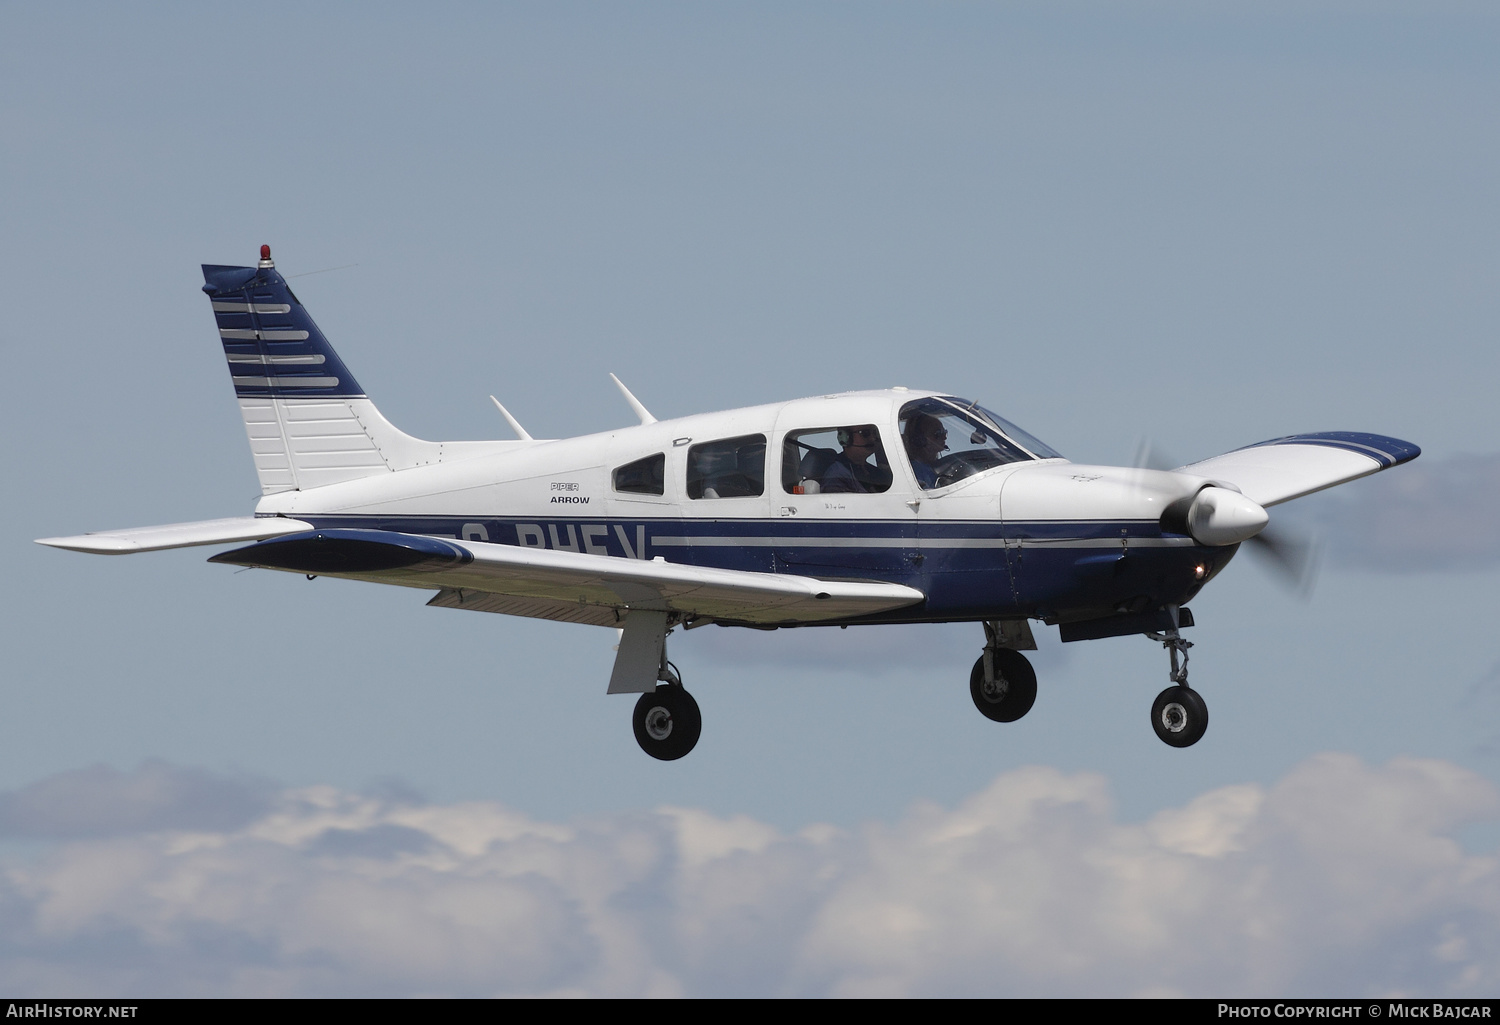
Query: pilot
{"x":851,"y":470}
{"x":925,"y":439}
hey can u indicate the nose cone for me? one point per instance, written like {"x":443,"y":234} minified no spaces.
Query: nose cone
{"x":1219,"y":516}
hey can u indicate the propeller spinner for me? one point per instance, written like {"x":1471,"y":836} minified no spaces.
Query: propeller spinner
{"x":1219,"y":517}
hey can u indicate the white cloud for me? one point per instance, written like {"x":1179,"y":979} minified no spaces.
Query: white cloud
{"x":1340,"y":879}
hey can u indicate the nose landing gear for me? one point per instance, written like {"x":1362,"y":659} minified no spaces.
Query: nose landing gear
{"x":1178,"y":715}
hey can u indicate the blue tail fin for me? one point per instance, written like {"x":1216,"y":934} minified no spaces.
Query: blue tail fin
{"x":310,"y":423}
{"x":273,"y":346}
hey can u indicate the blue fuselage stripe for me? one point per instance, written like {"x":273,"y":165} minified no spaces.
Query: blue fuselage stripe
{"x":968,"y":570}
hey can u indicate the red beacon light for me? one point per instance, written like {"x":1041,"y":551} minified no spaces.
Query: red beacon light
{"x":265,"y":257}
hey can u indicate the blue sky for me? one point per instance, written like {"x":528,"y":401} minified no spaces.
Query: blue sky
{"x":1203,"y":225}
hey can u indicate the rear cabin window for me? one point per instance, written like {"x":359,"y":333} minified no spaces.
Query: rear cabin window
{"x":643,"y":477}
{"x":731,"y":468}
{"x":829,"y":460}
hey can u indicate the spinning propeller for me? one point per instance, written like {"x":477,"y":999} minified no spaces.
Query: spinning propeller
{"x":1217,"y":516}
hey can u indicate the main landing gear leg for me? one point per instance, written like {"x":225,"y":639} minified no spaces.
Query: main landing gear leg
{"x":1002,"y":683}
{"x":1178,"y":715}
{"x":666,"y":720}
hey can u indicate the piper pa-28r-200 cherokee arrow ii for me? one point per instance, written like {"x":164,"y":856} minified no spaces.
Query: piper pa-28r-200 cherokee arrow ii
{"x":896,"y":506}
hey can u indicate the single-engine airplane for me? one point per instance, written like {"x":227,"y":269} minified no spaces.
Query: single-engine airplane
{"x":895,"y":506}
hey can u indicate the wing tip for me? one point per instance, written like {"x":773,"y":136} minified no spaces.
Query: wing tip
{"x":93,"y":544}
{"x":1386,"y":451}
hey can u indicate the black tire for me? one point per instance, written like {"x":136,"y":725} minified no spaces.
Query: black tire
{"x":1179,"y":716}
{"x":667,"y":723}
{"x":1013,"y":692}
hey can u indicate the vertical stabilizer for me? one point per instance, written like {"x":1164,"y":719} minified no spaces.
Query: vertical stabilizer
{"x":309,"y":421}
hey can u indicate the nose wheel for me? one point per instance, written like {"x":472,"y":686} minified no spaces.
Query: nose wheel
{"x":1179,"y":714}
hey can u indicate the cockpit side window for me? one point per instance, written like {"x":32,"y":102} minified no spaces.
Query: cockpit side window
{"x":950,"y":439}
{"x":824,"y":460}
{"x":730,"y":468}
{"x":643,"y":477}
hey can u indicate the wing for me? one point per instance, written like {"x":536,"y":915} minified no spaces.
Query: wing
{"x":178,"y":535}
{"x":1282,"y":469}
{"x":568,"y":585}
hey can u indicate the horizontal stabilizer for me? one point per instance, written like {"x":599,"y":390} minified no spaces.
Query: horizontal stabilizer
{"x":178,"y":535}
{"x":1282,"y":469}
{"x":549,"y":579}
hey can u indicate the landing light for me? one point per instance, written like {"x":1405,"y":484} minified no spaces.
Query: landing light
{"x":1200,"y":571}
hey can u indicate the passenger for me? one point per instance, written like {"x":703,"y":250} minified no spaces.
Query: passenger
{"x":851,"y":471}
{"x":925,"y":440}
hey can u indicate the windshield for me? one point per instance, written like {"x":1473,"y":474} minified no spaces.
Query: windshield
{"x":1028,"y":441}
{"x":948,"y":439}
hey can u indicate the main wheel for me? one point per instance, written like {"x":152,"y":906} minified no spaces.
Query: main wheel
{"x":1013,"y":691}
{"x":667,"y":723}
{"x":1179,"y":716}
